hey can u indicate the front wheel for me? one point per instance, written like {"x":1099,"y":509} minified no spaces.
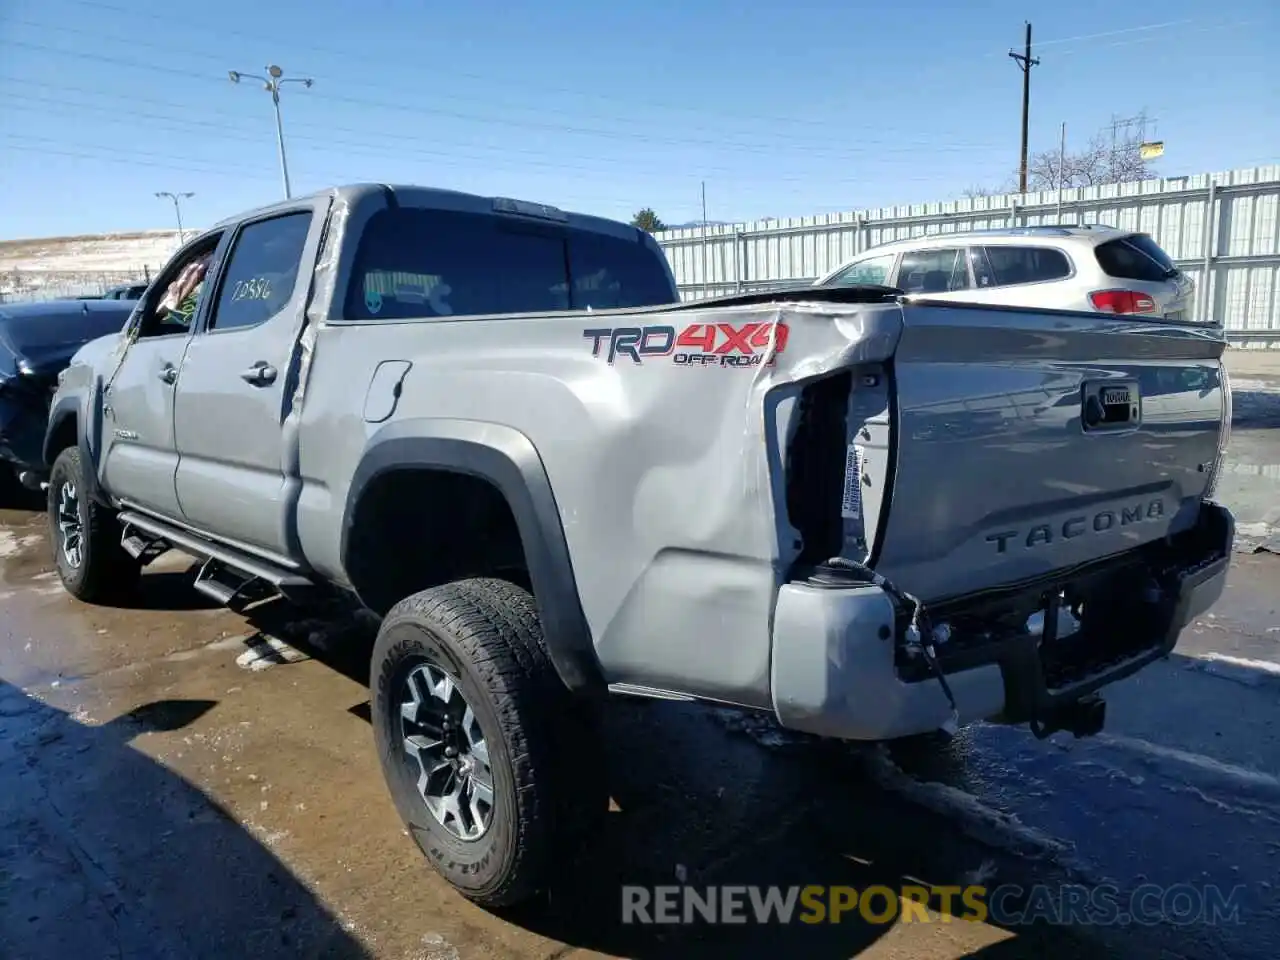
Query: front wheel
{"x":476,"y":739}
{"x":91,"y":564}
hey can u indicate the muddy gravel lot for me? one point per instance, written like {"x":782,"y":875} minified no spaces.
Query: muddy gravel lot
{"x":179,"y":781}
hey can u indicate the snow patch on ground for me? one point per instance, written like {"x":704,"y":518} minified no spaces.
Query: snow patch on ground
{"x":984,"y":823}
{"x":11,"y":544}
{"x":760,"y":727}
{"x":67,"y":266}
{"x":1251,"y":673}
{"x":435,"y":947}
{"x":1235,"y":777}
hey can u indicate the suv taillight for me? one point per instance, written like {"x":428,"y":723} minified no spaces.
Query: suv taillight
{"x":1122,"y":301}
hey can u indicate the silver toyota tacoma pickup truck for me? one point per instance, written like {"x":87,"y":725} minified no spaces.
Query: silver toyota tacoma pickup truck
{"x":495,"y":425}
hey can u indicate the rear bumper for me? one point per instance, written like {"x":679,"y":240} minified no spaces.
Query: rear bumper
{"x":836,"y":670}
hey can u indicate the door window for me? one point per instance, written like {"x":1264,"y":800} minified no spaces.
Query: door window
{"x":261,"y":271}
{"x":183,"y":290}
{"x":874,"y":270}
{"x":934,"y":271}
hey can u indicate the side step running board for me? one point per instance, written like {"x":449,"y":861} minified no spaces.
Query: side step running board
{"x":229,"y":576}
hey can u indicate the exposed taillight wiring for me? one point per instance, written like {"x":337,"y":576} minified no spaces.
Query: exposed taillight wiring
{"x":1224,"y":437}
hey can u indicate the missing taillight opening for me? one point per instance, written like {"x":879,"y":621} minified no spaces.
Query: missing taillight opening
{"x":1122,"y":301}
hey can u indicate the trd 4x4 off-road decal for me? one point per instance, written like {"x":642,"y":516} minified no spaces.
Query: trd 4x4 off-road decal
{"x":697,"y":345}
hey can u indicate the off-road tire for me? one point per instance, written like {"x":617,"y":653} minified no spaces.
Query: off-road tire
{"x":106,"y":573}
{"x":486,"y":634}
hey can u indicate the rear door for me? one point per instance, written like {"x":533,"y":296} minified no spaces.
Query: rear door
{"x":234,"y":392}
{"x":1026,"y":275}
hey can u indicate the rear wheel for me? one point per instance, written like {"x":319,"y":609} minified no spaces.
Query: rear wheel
{"x":476,"y":739}
{"x":91,"y":564}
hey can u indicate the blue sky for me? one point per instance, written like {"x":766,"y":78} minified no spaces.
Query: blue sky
{"x":784,"y":109}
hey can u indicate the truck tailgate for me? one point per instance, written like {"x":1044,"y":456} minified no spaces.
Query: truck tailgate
{"x":1029,"y":441}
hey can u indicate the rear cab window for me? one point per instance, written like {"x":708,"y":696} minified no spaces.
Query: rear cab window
{"x":1135,"y":257}
{"x":1005,"y":266}
{"x":413,"y":262}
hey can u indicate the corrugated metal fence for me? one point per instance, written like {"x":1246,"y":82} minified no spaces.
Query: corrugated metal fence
{"x":1223,"y":226}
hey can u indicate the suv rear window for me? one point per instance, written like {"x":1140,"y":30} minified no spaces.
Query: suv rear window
{"x":1135,"y":257}
{"x":1001,"y":266}
{"x":429,"y":263}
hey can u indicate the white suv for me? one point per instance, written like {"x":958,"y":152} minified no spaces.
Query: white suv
{"x":1090,"y":268}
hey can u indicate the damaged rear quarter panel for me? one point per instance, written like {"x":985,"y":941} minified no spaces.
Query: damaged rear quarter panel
{"x":666,"y":470}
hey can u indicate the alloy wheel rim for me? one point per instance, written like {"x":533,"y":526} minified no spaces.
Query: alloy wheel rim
{"x":443,"y":741}
{"x":70,"y":527}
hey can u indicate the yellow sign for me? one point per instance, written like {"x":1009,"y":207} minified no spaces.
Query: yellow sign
{"x":1151,"y":150}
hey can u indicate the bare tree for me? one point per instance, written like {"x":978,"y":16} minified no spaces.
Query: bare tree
{"x":1099,"y":162}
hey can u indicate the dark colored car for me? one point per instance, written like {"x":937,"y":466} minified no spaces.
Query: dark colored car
{"x":36,"y":342}
{"x":127,"y":291}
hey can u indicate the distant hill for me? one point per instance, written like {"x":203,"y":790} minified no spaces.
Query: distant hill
{"x":41,"y":267}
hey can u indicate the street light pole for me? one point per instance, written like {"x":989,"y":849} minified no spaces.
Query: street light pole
{"x":271,"y":83}
{"x":177,"y":209}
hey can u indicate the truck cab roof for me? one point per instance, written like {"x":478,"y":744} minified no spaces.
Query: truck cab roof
{"x":409,"y":195}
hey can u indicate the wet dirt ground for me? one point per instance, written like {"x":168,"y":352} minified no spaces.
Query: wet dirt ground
{"x":172,"y":787}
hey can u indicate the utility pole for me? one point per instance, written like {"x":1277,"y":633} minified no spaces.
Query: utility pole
{"x":1025,"y":63}
{"x":177,"y":209}
{"x":271,"y":83}
{"x":1062,"y":167}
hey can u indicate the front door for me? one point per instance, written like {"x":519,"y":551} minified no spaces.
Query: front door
{"x":139,"y":458}
{"x":234,"y":392}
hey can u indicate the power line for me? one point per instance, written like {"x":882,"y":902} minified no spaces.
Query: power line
{"x":132,"y":160}
{"x":452,"y":159}
{"x":900,"y":142}
{"x":737,"y":147}
{"x":1025,"y":63}
{"x":329,"y":129}
{"x":345,"y":54}
{"x":1117,"y":33}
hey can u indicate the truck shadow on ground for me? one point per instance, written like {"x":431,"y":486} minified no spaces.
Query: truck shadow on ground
{"x":694,"y":795}
{"x":1255,"y":409}
{"x":700,"y":801}
{"x":108,"y":852}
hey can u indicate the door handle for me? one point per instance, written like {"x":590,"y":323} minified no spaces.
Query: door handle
{"x":169,"y":373}
{"x":260,"y":374}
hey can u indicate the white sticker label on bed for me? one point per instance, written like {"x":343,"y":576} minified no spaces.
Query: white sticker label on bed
{"x":851,"y":507}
